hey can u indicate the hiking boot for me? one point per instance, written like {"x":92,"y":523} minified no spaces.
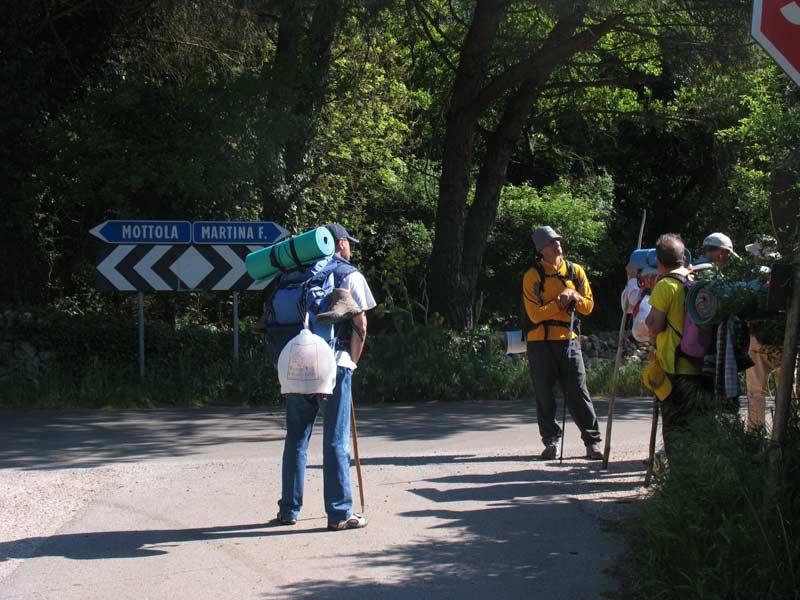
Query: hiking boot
{"x":284,"y":520}
{"x":593,"y":451}
{"x":342,"y":307}
{"x":550,"y":450}
{"x":354,"y":521}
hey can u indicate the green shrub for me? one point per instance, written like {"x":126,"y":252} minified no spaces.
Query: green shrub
{"x":430,"y":363}
{"x":629,"y":382}
{"x":711,"y":530}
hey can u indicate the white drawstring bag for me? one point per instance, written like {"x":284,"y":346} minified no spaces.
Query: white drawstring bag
{"x":307,"y":365}
{"x":640,"y":331}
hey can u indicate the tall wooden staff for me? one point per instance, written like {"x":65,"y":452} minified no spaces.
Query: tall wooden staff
{"x":618,"y":360}
{"x":355,"y":452}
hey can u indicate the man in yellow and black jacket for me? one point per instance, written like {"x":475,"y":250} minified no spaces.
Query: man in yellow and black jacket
{"x":551,"y":289}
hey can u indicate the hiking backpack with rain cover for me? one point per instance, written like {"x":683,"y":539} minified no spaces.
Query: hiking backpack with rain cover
{"x":696,"y":339}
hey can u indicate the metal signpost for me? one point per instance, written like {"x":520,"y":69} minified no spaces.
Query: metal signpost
{"x":180,"y":256}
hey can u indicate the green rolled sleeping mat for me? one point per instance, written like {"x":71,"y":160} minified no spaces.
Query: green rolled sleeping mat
{"x":713,"y":301}
{"x":291,"y":254}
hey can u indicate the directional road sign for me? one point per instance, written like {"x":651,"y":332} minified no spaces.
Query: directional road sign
{"x":776,"y":27}
{"x":232,"y":232}
{"x":164,"y":267}
{"x":144,"y":232}
{"x":183,"y":232}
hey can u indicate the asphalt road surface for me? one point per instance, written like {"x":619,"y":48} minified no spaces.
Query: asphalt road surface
{"x":176,"y":504}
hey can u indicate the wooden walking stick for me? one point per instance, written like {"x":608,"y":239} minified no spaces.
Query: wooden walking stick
{"x":617,"y":361}
{"x":652,"y":455}
{"x":355,"y":452}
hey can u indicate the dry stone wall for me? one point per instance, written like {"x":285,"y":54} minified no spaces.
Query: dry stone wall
{"x":21,"y":355}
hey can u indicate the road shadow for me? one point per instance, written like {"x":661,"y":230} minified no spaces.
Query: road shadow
{"x":521,"y":534}
{"x":103,"y":545}
{"x":525,"y":533}
{"x":438,"y":420}
{"x":57,"y":440}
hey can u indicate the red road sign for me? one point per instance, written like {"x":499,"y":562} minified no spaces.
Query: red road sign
{"x":776,"y":27}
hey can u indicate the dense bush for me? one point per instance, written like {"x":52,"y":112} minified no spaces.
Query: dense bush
{"x":429,"y":363}
{"x":95,"y":364}
{"x":715,"y":527}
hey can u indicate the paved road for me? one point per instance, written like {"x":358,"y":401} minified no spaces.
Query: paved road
{"x":174,"y":504}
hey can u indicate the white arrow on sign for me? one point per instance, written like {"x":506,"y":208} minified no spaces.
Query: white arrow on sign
{"x":261,"y":283}
{"x":145,"y":268}
{"x":238,"y":268}
{"x":109,"y":268}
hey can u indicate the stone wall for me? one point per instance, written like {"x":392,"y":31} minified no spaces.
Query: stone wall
{"x":20,"y":355}
{"x":602,"y":346}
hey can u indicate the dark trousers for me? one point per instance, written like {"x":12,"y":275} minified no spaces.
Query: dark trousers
{"x":549,"y":363}
{"x":691,"y":397}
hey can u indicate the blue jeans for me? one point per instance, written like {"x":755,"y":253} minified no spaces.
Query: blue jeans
{"x":301,"y":411}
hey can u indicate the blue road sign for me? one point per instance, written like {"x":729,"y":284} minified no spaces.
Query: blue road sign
{"x":237,"y":232}
{"x":144,"y":232}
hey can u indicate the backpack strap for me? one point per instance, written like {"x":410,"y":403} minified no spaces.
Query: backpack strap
{"x":341,"y":269}
{"x":273,"y":257}
{"x":539,"y":287}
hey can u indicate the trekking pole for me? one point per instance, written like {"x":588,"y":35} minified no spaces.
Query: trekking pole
{"x":569,"y":355}
{"x":652,"y":455}
{"x":617,"y":361}
{"x":355,"y":452}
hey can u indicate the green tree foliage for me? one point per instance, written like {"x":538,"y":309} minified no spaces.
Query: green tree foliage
{"x":165,"y":111}
{"x":581,"y":208}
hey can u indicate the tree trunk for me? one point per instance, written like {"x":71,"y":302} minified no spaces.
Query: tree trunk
{"x":461,"y":234}
{"x":447,"y":283}
{"x":296,"y":84}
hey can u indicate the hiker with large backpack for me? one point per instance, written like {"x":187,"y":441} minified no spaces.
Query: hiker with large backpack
{"x":554,"y":289}
{"x":675,"y":372}
{"x":333,"y":291}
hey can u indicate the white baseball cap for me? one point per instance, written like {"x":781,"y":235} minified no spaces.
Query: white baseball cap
{"x":720,"y":240}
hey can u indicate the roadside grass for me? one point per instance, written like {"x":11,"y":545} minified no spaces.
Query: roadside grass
{"x":711,"y":529}
{"x":100,"y":386}
{"x":629,"y":381}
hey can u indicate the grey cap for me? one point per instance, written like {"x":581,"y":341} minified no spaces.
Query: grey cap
{"x":543,"y":236}
{"x":720,"y":240}
{"x":339,"y":232}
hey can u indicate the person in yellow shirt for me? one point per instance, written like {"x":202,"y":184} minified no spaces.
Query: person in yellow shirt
{"x":689,"y":395}
{"x":552,"y":289}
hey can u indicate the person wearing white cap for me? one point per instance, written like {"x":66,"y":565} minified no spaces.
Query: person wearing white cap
{"x":717,"y":248}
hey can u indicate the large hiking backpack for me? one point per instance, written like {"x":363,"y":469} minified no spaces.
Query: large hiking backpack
{"x":526,"y":325}
{"x":294,"y":299}
{"x":696,"y":339}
